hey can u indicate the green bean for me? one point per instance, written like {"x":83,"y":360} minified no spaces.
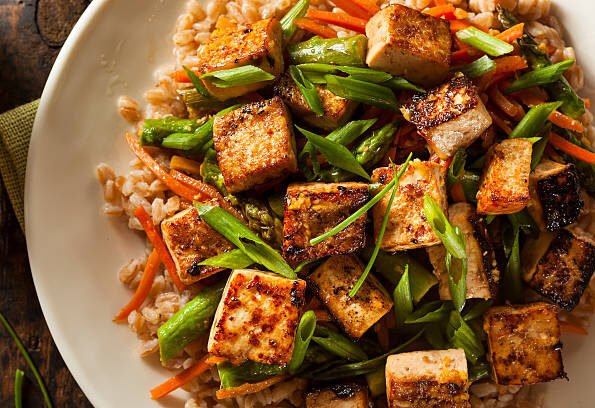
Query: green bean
{"x":336,"y":51}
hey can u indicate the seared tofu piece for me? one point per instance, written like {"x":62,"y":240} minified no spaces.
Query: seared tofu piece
{"x":311,"y":209}
{"x":559,"y":266}
{"x":524,"y":343}
{"x":504,"y":187}
{"x":339,"y":396}
{"x":337,"y":110}
{"x":332,"y":281}
{"x":483,"y":275}
{"x":407,"y":226}
{"x":233,"y":45}
{"x":190,"y":241}
{"x":406,"y":42}
{"x":255,"y":144}
{"x":428,"y":379}
{"x":450,"y":117}
{"x":555,"y":199}
{"x":257,"y":317}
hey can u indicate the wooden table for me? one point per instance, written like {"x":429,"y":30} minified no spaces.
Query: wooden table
{"x":31,"y":33}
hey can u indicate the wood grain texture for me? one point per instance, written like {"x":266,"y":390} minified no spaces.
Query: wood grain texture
{"x":31,"y":33}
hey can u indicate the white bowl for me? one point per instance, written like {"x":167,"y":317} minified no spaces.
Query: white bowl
{"x":75,"y":250}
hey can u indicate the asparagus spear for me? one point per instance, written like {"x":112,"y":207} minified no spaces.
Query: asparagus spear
{"x":248,"y":372}
{"x":155,"y":130}
{"x":336,"y":51}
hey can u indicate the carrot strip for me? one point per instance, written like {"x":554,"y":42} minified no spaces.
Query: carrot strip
{"x":457,"y":193}
{"x":567,"y":327}
{"x":370,"y":6}
{"x":570,"y":148}
{"x":566,"y":122}
{"x":513,"y":33}
{"x":315,"y":28}
{"x":144,"y":287}
{"x":458,"y":25}
{"x":181,"y":76}
{"x":440,"y":2}
{"x":502,"y":102}
{"x":446,"y":10}
{"x":159,"y":245}
{"x":511,"y":63}
{"x":352,"y":8}
{"x":249,"y":388}
{"x":339,"y":19}
{"x":463,"y":56}
{"x":587,"y":102}
{"x":174,"y":185}
{"x":185,"y":376}
{"x":462,"y":14}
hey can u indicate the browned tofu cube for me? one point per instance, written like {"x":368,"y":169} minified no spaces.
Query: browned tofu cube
{"x":337,"y":110}
{"x":257,"y":317}
{"x":407,"y":226}
{"x":559,"y":266}
{"x":504,"y":187}
{"x":332,"y":281}
{"x":339,"y":396}
{"x":255,"y":144}
{"x":311,"y":209}
{"x":524,"y":343}
{"x":427,"y":379}
{"x":450,"y":117}
{"x":408,"y":43}
{"x":555,"y":200}
{"x":483,"y":275}
{"x":233,"y":45}
{"x":190,"y":241}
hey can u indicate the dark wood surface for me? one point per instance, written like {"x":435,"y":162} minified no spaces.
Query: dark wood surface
{"x":31,"y":33}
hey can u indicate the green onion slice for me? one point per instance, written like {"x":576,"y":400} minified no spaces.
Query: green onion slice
{"x":19,"y":375}
{"x":401,"y":84}
{"x":457,"y":285}
{"x":196,"y":82}
{"x":464,"y":337}
{"x":336,"y":343}
{"x":402,"y":298}
{"x":541,"y":76}
{"x":361,"y":91}
{"x":303,"y":335}
{"x":457,"y":167}
{"x":484,"y":42}
{"x":236,"y":232}
{"x":443,"y":229}
{"x":288,"y":21}
{"x":478,"y":67}
{"x":534,"y":120}
{"x":308,"y":90}
{"x":228,"y":78}
{"x":431,"y":312}
{"x":234,"y":259}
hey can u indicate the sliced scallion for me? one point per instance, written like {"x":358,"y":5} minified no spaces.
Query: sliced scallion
{"x":19,"y":375}
{"x":361,"y":91}
{"x":303,"y":335}
{"x":196,"y":82}
{"x":541,"y":76}
{"x":234,"y":259}
{"x":478,"y":67}
{"x":432,"y":312}
{"x":484,"y":42}
{"x":308,"y":90}
{"x":362,"y":74}
{"x":402,"y":298}
{"x":401,"y":84}
{"x":288,"y":21}
{"x":464,"y":337}
{"x":534,"y":120}
{"x":228,"y":78}
{"x":336,"y":343}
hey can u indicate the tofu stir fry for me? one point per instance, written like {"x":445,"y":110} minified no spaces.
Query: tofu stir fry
{"x":391,"y":216}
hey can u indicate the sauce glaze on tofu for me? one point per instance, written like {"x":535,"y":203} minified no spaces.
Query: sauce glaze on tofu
{"x":257,"y":317}
{"x":339,"y":396}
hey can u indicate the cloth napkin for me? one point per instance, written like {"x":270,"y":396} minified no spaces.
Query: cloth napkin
{"x":15,"y":132}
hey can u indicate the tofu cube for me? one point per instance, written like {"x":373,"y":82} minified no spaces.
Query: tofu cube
{"x":311,"y":209}
{"x":332,"y":281}
{"x":190,"y":241}
{"x":339,"y":396}
{"x":257,"y":317}
{"x":559,"y":266}
{"x":483,"y":275}
{"x":450,"y":117}
{"x":406,"y":42}
{"x":232,"y":45}
{"x":255,"y":144}
{"x":407,"y":226}
{"x":504,"y":187}
{"x":555,"y":200}
{"x":524,"y":343}
{"x":427,"y":379}
{"x":337,"y":110}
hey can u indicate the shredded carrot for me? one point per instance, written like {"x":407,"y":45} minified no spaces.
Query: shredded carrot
{"x":510,"y":63}
{"x":570,"y":148}
{"x":181,"y":76}
{"x":587,"y":102}
{"x":144,"y":287}
{"x":566,"y":122}
{"x":457,"y":193}
{"x":352,"y":8}
{"x":458,"y":25}
{"x":315,"y":28}
{"x":500,"y":122}
{"x":502,"y":102}
{"x":462,"y":14}
{"x":185,"y":376}
{"x":249,"y":388}
{"x":568,"y":327}
{"x":174,"y":185}
{"x":446,"y":10}
{"x":513,"y":33}
{"x":440,"y":2}
{"x":339,"y":19}
{"x":159,"y":245}
{"x":369,"y":5}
